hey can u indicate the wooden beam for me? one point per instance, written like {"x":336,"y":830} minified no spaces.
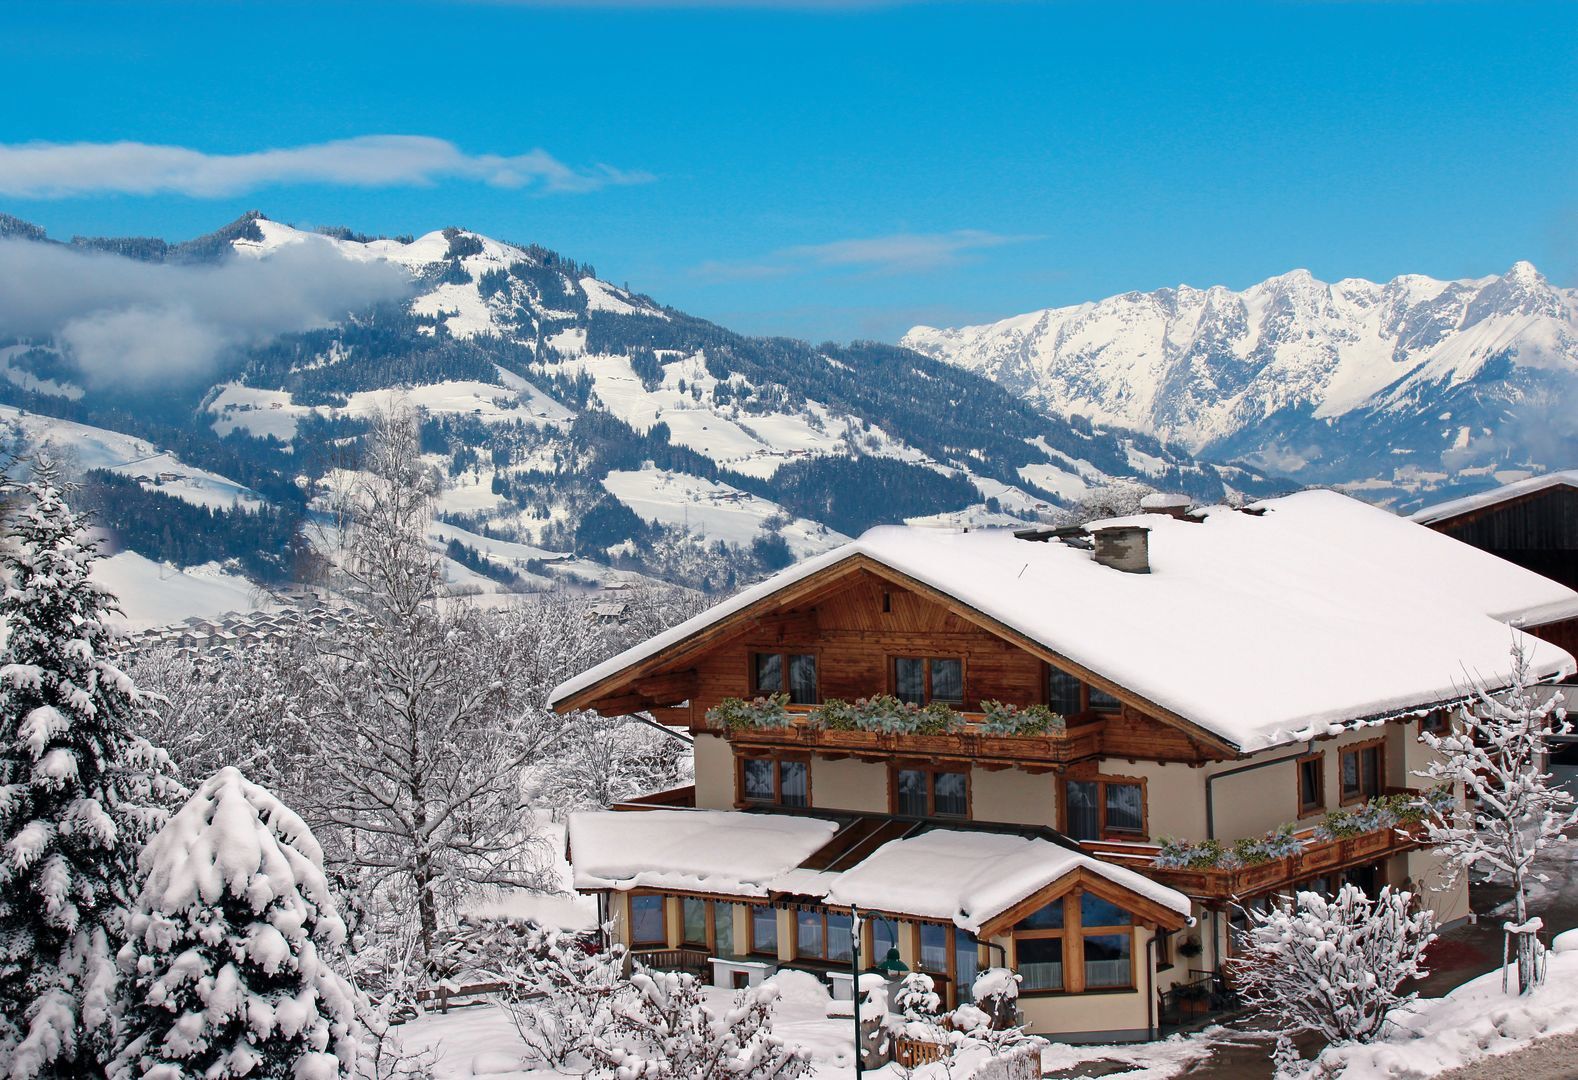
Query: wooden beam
{"x":670,"y":688}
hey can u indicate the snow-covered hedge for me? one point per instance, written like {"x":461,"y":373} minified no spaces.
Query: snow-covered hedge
{"x":884,"y":713}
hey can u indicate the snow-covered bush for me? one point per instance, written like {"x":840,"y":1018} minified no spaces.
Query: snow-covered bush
{"x":667,"y":1033}
{"x":1495,"y":752}
{"x":80,"y":790}
{"x":1005,"y":719}
{"x":1332,"y":966}
{"x":562,"y":992}
{"x":226,"y":970}
{"x":737,"y":714}
{"x":992,"y":1019}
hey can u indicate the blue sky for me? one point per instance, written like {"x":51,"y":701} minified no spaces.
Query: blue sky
{"x":823,"y":169}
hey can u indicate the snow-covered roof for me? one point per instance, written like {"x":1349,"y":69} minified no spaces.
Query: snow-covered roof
{"x":966,"y":877}
{"x":970,"y":878}
{"x":1262,"y":628}
{"x":710,"y":851}
{"x":1504,"y":493}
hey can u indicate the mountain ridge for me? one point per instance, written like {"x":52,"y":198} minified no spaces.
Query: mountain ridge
{"x":573,"y":419}
{"x":1395,"y":387}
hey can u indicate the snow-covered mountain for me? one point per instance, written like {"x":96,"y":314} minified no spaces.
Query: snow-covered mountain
{"x":1402,"y":388}
{"x":584,"y":429}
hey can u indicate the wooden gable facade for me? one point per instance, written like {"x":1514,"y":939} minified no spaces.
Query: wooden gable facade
{"x":858,"y":618}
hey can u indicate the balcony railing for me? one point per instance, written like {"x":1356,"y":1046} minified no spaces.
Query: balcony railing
{"x":1319,"y":857}
{"x":1074,"y":743}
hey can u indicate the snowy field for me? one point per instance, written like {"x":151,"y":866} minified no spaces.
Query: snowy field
{"x":157,"y":594}
{"x":713,"y":511}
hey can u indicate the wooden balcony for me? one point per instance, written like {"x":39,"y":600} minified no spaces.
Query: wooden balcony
{"x":1319,"y":857}
{"x":1032,"y":752}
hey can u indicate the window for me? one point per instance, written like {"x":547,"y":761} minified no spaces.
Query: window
{"x":822,"y":935}
{"x":1312,"y":783}
{"x":1040,"y":962}
{"x":764,"y":930}
{"x":1077,"y":942}
{"x":1069,"y":695}
{"x":647,"y":925}
{"x":931,"y":948}
{"x":921,"y":680}
{"x":1164,"y":949}
{"x":1101,"y":701}
{"x":924,"y":791}
{"x":785,"y":673}
{"x":966,"y":963}
{"x":884,"y":938}
{"x":775,"y":780}
{"x":1104,"y":808}
{"x":693,"y":922}
{"x":1436,"y":723}
{"x":952,"y":955}
{"x":723,"y":929}
{"x":1065,"y":693}
{"x":1361,"y":772}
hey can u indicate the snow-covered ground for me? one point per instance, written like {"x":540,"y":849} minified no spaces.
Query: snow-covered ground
{"x":713,"y":511}
{"x":157,"y":594}
{"x":83,"y":447}
{"x":479,"y":1041}
{"x":1475,"y":1021}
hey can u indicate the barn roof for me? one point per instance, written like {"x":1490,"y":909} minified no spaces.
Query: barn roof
{"x":1495,"y":496}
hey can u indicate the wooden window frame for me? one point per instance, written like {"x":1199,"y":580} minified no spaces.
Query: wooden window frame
{"x":1379,"y":746}
{"x":1319,"y":805}
{"x":823,"y":913}
{"x":750,"y":925}
{"x":662,"y":899}
{"x":777,"y":757}
{"x":932,"y":769}
{"x":783,"y":653}
{"x":1442,"y":726}
{"x":926,"y":659}
{"x":868,"y":937}
{"x":1101,"y":780}
{"x":1073,"y":933}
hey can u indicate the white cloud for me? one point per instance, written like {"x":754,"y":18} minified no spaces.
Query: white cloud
{"x":131,"y":323}
{"x":895,"y":254}
{"x":58,"y":170}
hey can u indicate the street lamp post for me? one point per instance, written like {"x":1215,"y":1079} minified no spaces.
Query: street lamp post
{"x":854,"y":971}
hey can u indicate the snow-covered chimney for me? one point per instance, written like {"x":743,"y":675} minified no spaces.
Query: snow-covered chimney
{"x":1123,"y":547}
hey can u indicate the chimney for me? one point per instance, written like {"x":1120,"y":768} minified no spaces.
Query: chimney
{"x":1172,"y":505}
{"x":1124,"y":547}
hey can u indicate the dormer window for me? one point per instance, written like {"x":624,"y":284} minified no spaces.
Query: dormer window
{"x":922,"y":680}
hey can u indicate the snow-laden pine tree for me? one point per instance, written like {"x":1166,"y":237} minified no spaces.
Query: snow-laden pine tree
{"x":226,"y":971}
{"x":417,"y":717}
{"x":80,"y":790}
{"x":1332,"y":965}
{"x":1495,"y":751}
